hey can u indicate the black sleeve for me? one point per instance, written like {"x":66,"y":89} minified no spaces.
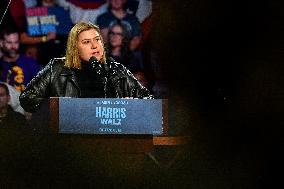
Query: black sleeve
{"x":138,"y":90}
{"x":128,"y":86}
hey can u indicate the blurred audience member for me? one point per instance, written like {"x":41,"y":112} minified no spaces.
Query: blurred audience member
{"x":14,"y":99}
{"x":144,"y":9}
{"x":9,"y":119}
{"x":81,"y":10}
{"x":49,"y":45}
{"x":117,"y":12}
{"x":16,"y":69}
{"x":118,"y":48}
{"x":31,"y":51}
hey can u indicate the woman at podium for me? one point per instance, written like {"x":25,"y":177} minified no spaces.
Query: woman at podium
{"x":85,"y":71}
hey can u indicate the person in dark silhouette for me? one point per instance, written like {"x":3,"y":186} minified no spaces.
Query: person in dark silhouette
{"x":9,"y":119}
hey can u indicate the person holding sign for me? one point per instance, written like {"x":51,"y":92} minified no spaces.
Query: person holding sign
{"x":85,"y":71}
{"x":46,"y":27}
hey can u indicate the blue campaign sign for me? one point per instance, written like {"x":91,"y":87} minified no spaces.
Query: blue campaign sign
{"x":110,"y":116}
{"x":42,"y":20}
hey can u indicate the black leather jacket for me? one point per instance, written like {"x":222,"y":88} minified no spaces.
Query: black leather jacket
{"x":55,"y":80}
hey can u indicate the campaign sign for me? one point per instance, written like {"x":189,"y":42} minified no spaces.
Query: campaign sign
{"x":42,"y":20}
{"x":110,"y":116}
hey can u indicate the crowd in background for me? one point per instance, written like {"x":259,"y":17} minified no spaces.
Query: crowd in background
{"x":26,"y":47}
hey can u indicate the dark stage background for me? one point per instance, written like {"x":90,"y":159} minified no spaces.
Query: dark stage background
{"x":226,"y":73}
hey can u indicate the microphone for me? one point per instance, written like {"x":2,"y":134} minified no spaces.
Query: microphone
{"x":95,"y":63}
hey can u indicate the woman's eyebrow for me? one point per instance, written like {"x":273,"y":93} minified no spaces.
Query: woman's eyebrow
{"x":91,"y":38}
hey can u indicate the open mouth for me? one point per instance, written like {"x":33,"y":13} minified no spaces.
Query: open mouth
{"x":95,"y":53}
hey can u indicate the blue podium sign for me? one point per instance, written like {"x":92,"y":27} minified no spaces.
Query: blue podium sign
{"x":110,"y":116}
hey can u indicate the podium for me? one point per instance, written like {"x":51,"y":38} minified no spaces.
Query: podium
{"x":129,"y":144}
{"x":109,"y":116}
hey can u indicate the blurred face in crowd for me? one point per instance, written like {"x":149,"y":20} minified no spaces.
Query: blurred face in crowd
{"x":117,"y":4}
{"x":4,"y":98}
{"x":10,"y":45}
{"x":115,"y":36}
{"x":90,"y":44}
{"x":48,"y":2}
{"x":32,"y":52}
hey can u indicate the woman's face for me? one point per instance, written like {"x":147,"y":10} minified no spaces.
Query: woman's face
{"x":115,"y":36}
{"x":90,"y":44}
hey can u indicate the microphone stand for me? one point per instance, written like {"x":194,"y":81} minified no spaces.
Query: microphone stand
{"x":105,"y":77}
{"x":102,"y":70}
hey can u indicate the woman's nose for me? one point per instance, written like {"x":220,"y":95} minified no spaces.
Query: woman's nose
{"x":94,"y":45}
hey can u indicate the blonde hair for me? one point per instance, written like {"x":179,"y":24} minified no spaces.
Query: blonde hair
{"x":72,"y":55}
